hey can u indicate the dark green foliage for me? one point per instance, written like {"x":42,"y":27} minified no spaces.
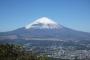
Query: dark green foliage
{"x":14,"y":52}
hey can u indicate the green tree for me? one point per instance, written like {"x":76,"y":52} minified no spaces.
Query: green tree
{"x":17,"y":52}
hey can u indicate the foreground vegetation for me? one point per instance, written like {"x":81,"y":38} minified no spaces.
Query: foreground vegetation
{"x":17,"y":52}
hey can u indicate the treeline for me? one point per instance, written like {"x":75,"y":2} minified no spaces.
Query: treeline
{"x":17,"y":52}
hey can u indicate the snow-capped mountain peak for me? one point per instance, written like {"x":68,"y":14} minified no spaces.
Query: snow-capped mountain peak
{"x":43,"y":22}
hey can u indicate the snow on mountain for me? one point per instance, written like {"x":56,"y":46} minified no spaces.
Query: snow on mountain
{"x":43,"y":22}
{"x":44,"y":28}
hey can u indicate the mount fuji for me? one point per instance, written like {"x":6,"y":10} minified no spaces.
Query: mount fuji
{"x":43,"y":22}
{"x":44,"y":29}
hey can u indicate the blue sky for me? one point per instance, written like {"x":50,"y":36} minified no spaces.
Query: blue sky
{"x":74,"y":14}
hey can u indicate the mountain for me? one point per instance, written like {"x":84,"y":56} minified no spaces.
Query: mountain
{"x":42,"y":23}
{"x":44,"y":29}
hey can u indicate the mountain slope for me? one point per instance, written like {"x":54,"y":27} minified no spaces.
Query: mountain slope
{"x":45,"y":28}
